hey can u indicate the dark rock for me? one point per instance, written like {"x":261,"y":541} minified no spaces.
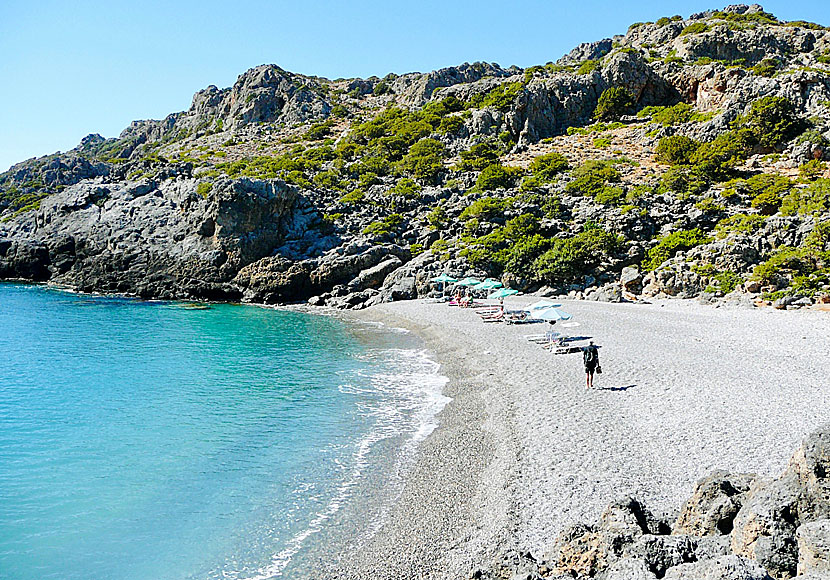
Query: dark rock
{"x":722,"y":568}
{"x":714,"y":504}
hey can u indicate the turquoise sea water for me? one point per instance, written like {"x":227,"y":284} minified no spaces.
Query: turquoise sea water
{"x":143,"y":440}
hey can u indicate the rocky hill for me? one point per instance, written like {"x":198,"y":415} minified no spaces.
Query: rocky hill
{"x":683,"y":158}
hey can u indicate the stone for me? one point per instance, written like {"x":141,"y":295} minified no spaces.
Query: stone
{"x":627,"y":569}
{"x":722,"y":568}
{"x":814,"y":547}
{"x":764,"y":528}
{"x":631,"y":279}
{"x":810,"y":465}
{"x":662,"y":552}
{"x":714,"y":504}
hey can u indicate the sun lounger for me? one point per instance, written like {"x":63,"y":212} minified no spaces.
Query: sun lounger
{"x":543,"y":338}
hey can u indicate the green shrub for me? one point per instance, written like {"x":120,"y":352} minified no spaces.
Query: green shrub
{"x":591,"y":177}
{"x":204,"y":189}
{"x":339,"y":111}
{"x":384,"y":226}
{"x":382,"y":88}
{"x":671,"y":116}
{"x":588,"y":66}
{"x":352,"y":197}
{"x":319,"y":130}
{"x":613,"y":103}
{"x":329,"y":179}
{"x":602,"y":142}
{"x":479,"y":156}
{"x":811,"y":170}
{"x":767,"y":67}
{"x":439,"y":247}
{"x":500,"y":97}
{"x":437,"y":218}
{"x":767,"y":191}
{"x":416,"y":249}
{"x":406,"y":188}
{"x":724,"y":282}
{"x":547,"y":167}
{"x":695,"y":28}
{"x":450,"y":125}
{"x":485,"y":208}
{"x":676,"y":150}
{"x":424,"y":160}
{"x":495,"y":176}
{"x":718,"y":158}
{"x":671,"y":244}
{"x":610,"y":196}
{"x":811,"y":200}
{"x":772,"y":120}
{"x":570,"y":258}
{"x":740,"y":223}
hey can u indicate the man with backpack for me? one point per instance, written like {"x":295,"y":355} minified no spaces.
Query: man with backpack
{"x":590,"y":357}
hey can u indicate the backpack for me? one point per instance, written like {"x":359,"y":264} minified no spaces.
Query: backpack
{"x":590,"y":355}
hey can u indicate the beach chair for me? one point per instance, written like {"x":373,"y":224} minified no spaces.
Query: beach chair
{"x":516,"y":317}
{"x":496,"y":317}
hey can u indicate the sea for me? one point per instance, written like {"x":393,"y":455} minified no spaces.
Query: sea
{"x":144,"y":440}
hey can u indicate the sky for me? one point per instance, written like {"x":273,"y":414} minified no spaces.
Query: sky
{"x":77,"y":67}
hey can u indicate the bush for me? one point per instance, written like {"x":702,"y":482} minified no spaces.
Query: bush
{"x":355,"y":196}
{"x":613,"y":103}
{"x":695,"y":28}
{"x":811,"y":170}
{"x":450,"y":125}
{"x":319,"y":130}
{"x":591,"y":177}
{"x":424,"y":160}
{"x":602,"y":143}
{"x":572,"y":257}
{"x":671,"y":244}
{"x":495,"y":176}
{"x":610,"y":196}
{"x":811,"y":200}
{"x":766,"y":68}
{"x":676,"y":150}
{"x":547,"y":167}
{"x":767,"y":191}
{"x":718,"y":158}
{"x":437,"y":218}
{"x":588,"y":66}
{"x":406,"y":188}
{"x":485,"y":208}
{"x":501,"y":97}
{"x":384,"y":226}
{"x":479,"y":156}
{"x":772,"y":120}
{"x":724,"y":282}
{"x":740,"y":223}
{"x":204,"y":189}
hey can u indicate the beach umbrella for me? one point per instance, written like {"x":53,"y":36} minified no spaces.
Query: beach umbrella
{"x":502,"y":293}
{"x":444,"y":278}
{"x":542,"y":304}
{"x":468,"y":281}
{"x":488,"y":284}
{"x":551,"y":314}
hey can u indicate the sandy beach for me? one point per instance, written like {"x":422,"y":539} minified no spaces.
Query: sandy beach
{"x":523,"y":450}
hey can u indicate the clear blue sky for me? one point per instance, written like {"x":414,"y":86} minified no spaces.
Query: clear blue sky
{"x":76,"y":67}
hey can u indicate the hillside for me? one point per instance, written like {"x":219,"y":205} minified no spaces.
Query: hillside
{"x":684,"y":158}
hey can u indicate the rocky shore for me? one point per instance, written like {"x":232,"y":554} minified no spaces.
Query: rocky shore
{"x":684,"y":158}
{"x":671,"y":468}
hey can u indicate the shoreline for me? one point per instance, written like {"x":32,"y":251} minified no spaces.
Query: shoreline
{"x":522,"y":450}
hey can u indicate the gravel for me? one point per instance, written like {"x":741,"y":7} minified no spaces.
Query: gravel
{"x":523,"y":450}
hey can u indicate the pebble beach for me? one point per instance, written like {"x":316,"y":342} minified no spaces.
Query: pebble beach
{"x":523,"y":450}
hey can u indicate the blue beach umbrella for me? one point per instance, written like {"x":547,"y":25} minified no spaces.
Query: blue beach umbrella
{"x":502,"y":293}
{"x":551,"y":314}
{"x":469,"y":281}
{"x":541,"y":305}
{"x":488,"y":284}
{"x":444,"y":278}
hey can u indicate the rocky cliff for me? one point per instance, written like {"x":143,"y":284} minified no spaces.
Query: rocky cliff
{"x":683,"y":158}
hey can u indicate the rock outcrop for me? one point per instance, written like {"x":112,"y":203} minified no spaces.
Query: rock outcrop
{"x":734,"y":527}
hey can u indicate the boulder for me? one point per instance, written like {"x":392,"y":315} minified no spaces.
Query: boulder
{"x":764,"y":528}
{"x":581,"y":550}
{"x":714,"y":504}
{"x":811,"y":467}
{"x":627,"y":569}
{"x":373,"y":277}
{"x":631,"y":279}
{"x":662,"y":552}
{"x":723,"y":568}
{"x":814,"y":548}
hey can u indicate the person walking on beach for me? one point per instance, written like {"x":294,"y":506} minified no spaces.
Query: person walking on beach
{"x":590,"y":357}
